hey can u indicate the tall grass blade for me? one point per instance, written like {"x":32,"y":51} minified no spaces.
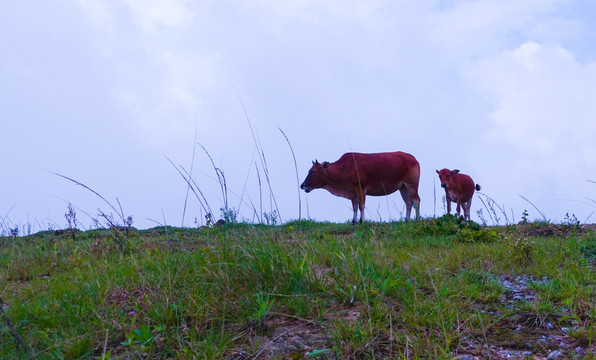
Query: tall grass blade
{"x":94,"y":192}
{"x":14,"y":332}
{"x":297,"y":178}
{"x":540,"y":212}
{"x":220,"y":178}
{"x":192,"y":163}
{"x":262,"y":154}
{"x":204,"y":204}
{"x":5,"y":217}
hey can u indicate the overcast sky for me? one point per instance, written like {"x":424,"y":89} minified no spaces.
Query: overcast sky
{"x":102,"y":91}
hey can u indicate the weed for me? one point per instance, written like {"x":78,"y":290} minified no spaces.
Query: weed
{"x":521,"y":247}
{"x":229,"y":215}
{"x":71,"y":220}
{"x":493,"y":209}
{"x":480,"y":214}
{"x":142,"y":339}
{"x":571,"y":220}
{"x":264,"y":305}
{"x":271,"y":217}
{"x":525,"y":216}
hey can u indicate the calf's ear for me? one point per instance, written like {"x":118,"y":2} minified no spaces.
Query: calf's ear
{"x":455,"y":171}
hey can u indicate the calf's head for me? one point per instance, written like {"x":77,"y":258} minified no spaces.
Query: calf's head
{"x":445,"y":176}
{"x":317,"y":176}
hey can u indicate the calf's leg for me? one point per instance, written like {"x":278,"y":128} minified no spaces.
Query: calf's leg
{"x":467,"y":205}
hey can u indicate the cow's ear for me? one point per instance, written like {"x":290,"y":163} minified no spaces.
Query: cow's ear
{"x":325,"y":164}
{"x":454,"y":171}
{"x":437,"y":171}
{"x":315,"y":162}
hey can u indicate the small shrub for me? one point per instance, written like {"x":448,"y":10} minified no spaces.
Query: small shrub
{"x":271,"y":218}
{"x":71,"y":220}
{"x":229,"y":215}
{"x":473,"y":236}
{"x":525,"y":215}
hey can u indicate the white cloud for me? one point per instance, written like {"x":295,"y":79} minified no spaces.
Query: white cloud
{"x":151,"y":14}
{"x":542,"y":121}
{"x":99,"y":14}
{"x":543,"y":100}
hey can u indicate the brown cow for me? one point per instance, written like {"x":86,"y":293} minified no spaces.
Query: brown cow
{"x":356,"y":175}
{"x":459,"y":188}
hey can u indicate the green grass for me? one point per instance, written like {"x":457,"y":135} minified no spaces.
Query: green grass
{"x":399,"y":290}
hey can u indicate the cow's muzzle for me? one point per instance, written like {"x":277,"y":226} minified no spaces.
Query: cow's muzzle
{"x":305,"y":188}
{"x":444,"y":186}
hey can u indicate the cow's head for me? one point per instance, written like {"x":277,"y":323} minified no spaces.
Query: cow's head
{"x":445,"y":176}
{"x":317,"y":176}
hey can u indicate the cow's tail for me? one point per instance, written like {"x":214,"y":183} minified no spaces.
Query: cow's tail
{"x":478,"y":187}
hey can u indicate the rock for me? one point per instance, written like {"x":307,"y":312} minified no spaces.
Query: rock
{"x":554,"y":355}
{"x":579,"y":351}
{"x":465,"y":357}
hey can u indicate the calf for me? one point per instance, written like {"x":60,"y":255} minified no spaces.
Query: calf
{"x":356,"y":175}
{"x":459,"y":188}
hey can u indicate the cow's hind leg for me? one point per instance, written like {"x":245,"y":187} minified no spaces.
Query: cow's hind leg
{"x":407,"y":196}
{"x":417,"y":208}
{"x":467,"y":205}
{"x":415,"y":199}
{"x":355,"y":209}
{"x":362,"y":211}
{"x":360,"y":199}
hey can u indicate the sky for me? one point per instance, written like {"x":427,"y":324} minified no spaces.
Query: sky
{"x":126,"y":96}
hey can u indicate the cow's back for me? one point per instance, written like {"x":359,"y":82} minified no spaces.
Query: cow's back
{"x":464,"y":187}
{"x":380,"y":173}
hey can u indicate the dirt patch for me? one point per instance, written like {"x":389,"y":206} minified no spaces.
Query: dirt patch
{"x":523,"y":335}
{"x":285,"y":338}
{"x":321,"y":273}
{"x":553,"y":230}
{"x":175,"y":245}
{"x":127,"y":299}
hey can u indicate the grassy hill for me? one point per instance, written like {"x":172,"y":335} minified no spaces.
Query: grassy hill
{"x":435,"y":288}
